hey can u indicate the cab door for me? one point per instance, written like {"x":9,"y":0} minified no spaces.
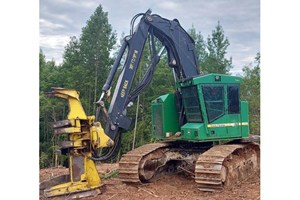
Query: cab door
{"x":234,"y":128}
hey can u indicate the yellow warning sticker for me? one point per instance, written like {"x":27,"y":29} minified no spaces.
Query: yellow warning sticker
{"x":227,"y":124}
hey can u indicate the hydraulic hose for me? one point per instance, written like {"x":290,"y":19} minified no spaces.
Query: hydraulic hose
{"x":112,"y":151}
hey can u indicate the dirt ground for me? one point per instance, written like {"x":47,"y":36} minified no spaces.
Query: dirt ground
{"x":177,"y":186}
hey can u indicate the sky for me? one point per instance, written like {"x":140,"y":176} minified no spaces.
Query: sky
{"x":61,"y":19}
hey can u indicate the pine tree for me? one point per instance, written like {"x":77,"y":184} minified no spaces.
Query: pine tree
{"x":87,"y":59}
{"x":217,"y":44}
{"x":96,"y":41}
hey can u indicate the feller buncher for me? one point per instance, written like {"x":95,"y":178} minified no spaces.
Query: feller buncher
{"x":202,"y":128}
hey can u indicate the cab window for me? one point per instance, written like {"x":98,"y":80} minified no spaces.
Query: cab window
{"x":214,"y":101}
{"x":233,"y":94}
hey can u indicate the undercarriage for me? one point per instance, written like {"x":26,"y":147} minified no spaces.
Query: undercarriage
{"x":212,"y":167}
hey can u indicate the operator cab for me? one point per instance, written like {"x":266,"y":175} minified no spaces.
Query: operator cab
{"x":212,"y":108}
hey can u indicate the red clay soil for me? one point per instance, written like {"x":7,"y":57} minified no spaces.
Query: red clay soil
{"x":175,"y":187}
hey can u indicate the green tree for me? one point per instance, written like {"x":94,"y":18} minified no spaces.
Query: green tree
{"x":200,"y":46}
{"x":50,"y":109}
{"x":72,"y":55}
{"x":87,"y":59}
{"x":96,"y":42}
{"x":217,"y":44}
{"x":250,"y":91}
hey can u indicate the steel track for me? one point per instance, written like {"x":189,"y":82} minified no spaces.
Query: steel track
{"x":129,"y":165}
{"x":219,"y":166}
{"x":223,"y":165}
